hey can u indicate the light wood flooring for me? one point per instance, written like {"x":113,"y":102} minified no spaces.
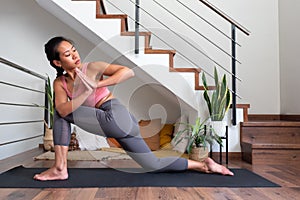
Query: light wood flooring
{"x":288,"y":176}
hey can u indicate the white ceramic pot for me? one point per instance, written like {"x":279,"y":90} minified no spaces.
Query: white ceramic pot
{"x":219,"y":127}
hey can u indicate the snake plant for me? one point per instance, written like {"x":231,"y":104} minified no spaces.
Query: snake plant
{"x":219,"y":101}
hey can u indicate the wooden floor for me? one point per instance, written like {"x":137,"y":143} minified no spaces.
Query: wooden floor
{"x":285,"y":175}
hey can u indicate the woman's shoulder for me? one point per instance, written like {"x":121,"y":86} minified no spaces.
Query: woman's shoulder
{"x":58,"y":80}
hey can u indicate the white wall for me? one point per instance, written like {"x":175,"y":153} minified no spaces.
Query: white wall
{"x":26,"y":27}
{"x":289,"y":56}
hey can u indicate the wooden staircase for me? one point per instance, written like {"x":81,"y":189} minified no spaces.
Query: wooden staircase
{"x":270,"y":142}
{"x":102,"y":14}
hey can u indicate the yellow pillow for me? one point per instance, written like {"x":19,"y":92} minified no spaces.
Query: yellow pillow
{"x":165,"y":134}
{"x":167,"y":146}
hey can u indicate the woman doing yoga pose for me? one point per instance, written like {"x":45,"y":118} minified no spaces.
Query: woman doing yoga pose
{"x":82,"y":98}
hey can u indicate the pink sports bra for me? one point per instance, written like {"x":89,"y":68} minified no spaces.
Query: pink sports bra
{"x":94,"y":98}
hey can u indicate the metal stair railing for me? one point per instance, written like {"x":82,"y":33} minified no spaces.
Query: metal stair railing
{"x":196,"y":31}
{"x":234,"y":25}
{"x":232,"y":38}
{"x":34,"y":74}
{"x":166,"y":43}
{"x":182,"y":38}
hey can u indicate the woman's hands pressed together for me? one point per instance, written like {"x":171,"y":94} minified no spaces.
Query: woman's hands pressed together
{"x":87,"y":82}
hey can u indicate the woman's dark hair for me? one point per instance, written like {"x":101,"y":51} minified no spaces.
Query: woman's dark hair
{"x":52,"y":53}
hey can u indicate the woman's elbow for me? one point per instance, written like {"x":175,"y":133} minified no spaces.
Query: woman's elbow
{"x":130,"y":73}
{"x":127,"y":73}
{"x":61,"y":113}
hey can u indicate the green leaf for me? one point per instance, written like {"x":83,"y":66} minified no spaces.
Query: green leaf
{"x":204,"y":81}
{"x":216,"y":77}
{"x":207,"y":99}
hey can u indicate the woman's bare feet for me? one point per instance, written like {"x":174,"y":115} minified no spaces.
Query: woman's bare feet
{"x":52,"y":173}
{"x":59,"y":170}
{"x":208,"y":166}
{"x":214,"y":167}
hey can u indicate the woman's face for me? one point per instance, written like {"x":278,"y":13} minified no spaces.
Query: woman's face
{"x":69,"y":57}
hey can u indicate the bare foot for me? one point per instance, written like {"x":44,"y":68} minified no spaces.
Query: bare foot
{"x":214,"y":167}
{"x":52,"y":174}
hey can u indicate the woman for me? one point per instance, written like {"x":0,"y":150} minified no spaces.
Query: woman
{"x":82,"y":98}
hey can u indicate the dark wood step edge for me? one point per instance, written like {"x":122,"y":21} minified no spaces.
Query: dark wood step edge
{"x":272,"y":145}
{"x":271,"y":124}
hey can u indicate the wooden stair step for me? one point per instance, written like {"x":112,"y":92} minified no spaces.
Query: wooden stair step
{"x":277,"y":154}
{"x":277,"y":132}
{"x":111,"y":16}
{"x":272,"y":145}
{"x":273,"y":157}
{"x":270,"y":142}
{"x":123,"y":17}
{"x":131,"y":33}
{"x":159,"y":51}
{"x":276,"y":146}
{"x":197,"y":70}
{"x":271,"y":124}
{"x":276,"y":157}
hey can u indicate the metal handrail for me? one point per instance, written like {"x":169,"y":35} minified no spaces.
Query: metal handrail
{"x":13,"y":65}
{"x":21,"y":122}
{"x":32,"y":73}
{"x":226,"y":17}
{"x":21,"y":87}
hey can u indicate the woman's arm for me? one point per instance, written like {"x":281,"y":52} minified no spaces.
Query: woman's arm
{"x":115,"y":73}
{"x":62,"y":105}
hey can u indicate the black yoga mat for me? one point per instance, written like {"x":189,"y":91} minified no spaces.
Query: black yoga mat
{"x":21,"y":177}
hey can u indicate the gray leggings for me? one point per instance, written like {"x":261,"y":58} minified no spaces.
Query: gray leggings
{"x":113,"y":120}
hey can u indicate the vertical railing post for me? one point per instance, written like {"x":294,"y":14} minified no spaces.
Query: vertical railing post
{"x":137,"y":26}
{"x":233,"y":35}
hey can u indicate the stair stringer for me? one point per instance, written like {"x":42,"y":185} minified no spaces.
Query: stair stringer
{"x":91,"y":28}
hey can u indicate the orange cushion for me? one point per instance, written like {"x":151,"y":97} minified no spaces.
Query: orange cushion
{"x":150,"y":132}
{"x":113,"y":142}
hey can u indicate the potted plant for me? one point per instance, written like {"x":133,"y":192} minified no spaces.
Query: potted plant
{"x":48,"y":137}
{"x":218,"y":102}
{"x":199,"y":135}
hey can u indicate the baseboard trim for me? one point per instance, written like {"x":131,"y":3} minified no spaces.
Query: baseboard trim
{"x":290,"y":117}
